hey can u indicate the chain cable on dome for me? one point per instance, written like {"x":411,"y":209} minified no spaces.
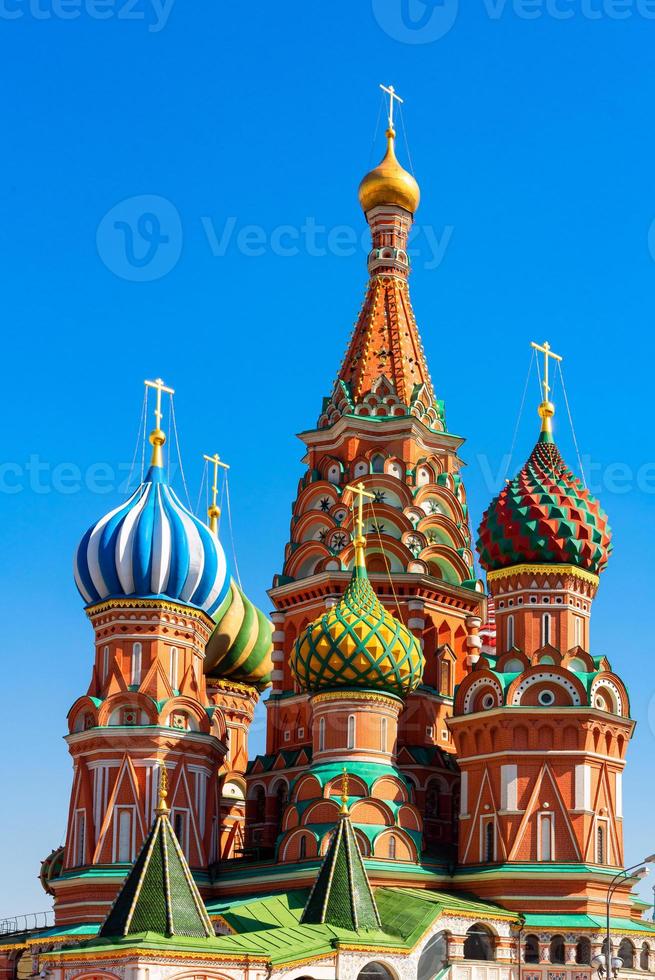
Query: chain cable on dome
{"x":202,"y":484}
{"x":231,"y":530}
{"x":375,"y":133}
{"x":575,"y":441}
{"x":140,"y":437}
{"x":177,"y":446}
{"x":409,"y":155}
{"x":520,"y":414}
{"x":387,"y":563}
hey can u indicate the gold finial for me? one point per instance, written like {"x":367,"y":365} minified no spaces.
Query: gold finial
{"x":391,"y":92}
{"x":389,"y":183}
{"x":214,"y":512}
{"x":162,"y":806}
{"x":360,"y":491}
{"x":344,"y":791}
{"x":546,"y":409}
{"x":157,"y":437}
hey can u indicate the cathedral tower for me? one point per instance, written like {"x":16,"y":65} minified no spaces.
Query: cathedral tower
{"x":542,"y":724}
{"x":383,"y":426}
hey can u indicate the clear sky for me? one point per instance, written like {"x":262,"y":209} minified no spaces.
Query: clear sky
{"x":179,"y":199}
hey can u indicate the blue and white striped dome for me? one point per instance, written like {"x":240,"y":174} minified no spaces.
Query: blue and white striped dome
{"x":152,"y":547}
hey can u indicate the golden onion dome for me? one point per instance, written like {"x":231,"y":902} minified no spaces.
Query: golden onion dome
{"x":358,"y":644}
{"x":389,"y":183}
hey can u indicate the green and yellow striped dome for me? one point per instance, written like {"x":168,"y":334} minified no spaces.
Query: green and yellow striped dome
{"x":358,"y":644}
{"x":241,"y":645}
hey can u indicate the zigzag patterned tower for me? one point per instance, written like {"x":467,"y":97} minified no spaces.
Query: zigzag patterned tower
{"x":382,"y":426}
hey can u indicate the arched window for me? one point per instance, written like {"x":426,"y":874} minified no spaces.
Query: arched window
{"x":644,"y":957}
{"x":545,"y":837}
{"x":627,"y":954}
{"x":375,"y":971}
{"x":600,"y":843}
{"x":124,"y":841}
{"x":137,"y":650}
{"x":545,"y":630}
{"x":260,"y":804}
{"x":173,"y":668}
{"x":510,"y":632}
{"x":478,"y":944}
{"x":383,"y":734}
{"x":105,"y":663}
{"x":377,"y":464}
{"x":489,"y":841}
{"x":445,"y":677}
{"x":321,"y":735}
{"x":351,"y":732}
{"x":531,"y":949}
{"x":578,"y":631}
{"x":281,"y":798}
{"x":557,"y":950}
{"x":392,"y":848}
{"x":433,"y":958}
{"x":80,"y":838}
{"x":302,"y":848}
{"x":583,"y":951}
{"x":432,"y":800}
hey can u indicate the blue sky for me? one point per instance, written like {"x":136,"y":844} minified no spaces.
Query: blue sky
{"x":226,"y":142}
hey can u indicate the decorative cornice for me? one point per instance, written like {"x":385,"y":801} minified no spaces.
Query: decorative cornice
{"x":545,"y":569}
{"x":189,"y":611}
{"x":232,"y":687}
{"x":349,"y":694}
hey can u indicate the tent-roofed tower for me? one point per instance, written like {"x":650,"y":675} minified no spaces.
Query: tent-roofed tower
{"x":382,"y":424}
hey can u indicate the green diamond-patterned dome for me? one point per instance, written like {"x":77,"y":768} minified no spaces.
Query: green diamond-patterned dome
{"x":358,"y":643}
{"x":545,"y":516}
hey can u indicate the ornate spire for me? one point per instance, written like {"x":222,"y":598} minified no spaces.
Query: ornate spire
{"x":157,"y":437}
{"x":384,"y":373}
{"x":159,"y":895}
{"x":342,"y":895}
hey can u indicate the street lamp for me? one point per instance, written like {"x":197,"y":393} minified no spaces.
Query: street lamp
{"x":606,"y":964}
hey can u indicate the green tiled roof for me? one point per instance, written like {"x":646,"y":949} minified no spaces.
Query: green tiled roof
{"x":538,"y":920}
{"x":342,"y":895}
{"x":159,"y":895}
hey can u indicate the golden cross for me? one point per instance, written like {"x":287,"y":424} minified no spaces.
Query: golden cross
{"x":391,"y":92}
{"x":214,"y":511}
{"x":547,"y":352}
{"x":344,"y":791}
{"x":159,"y":387}
{"x":360,"y":491}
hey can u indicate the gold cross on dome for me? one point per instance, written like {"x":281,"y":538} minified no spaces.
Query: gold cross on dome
{"x":359,"y":491}
{"x":159,"y":387}
{"x":547,"y":352}
{"x":391,"y":92}
{"x":214,"y":512}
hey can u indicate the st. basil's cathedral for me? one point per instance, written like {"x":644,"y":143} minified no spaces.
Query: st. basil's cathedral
{"x":441,"y":791}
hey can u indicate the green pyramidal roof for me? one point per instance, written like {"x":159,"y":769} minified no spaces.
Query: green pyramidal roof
{"x":159,"y":895}
{"x":342,"y":895}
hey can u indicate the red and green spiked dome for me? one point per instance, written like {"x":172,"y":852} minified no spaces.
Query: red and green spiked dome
{"x":545,"y":516}
{"x":358,"y":644}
